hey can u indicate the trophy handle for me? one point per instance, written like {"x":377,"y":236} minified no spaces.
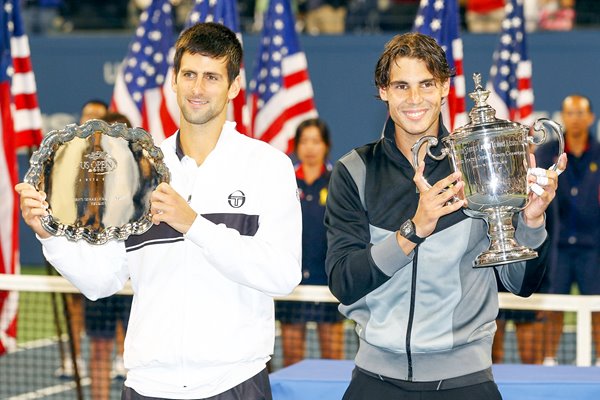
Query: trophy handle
{"x":544,"y":125}
{"x":431,"y":141}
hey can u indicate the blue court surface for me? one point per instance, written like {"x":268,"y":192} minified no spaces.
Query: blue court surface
{"x":328,"y":379}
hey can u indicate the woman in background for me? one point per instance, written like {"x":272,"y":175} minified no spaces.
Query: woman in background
{"x":312,"y":143}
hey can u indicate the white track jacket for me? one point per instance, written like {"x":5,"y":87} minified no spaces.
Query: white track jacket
{"x":202,"y":316}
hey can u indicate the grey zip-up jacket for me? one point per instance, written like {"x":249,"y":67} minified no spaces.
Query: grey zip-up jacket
{"x":428,"y":315}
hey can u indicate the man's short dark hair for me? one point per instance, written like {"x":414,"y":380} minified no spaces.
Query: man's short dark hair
{"x":417,"y":46}
{"x":589,"y":101}
{"x":111,"y":117}
{"x":212,"y":40}
{"x":99,"y":102}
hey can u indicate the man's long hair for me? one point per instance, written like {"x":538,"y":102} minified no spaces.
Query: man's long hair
{"x":417,"y":46}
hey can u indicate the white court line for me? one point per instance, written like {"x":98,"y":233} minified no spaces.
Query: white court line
{"x":50,"y":390}
{"x":36,"y":344}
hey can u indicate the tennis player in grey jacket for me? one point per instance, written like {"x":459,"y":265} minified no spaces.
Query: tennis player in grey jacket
{"x":425,"y":317}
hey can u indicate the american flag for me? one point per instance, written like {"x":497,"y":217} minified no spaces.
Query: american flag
{"x":281,"y":93}
{"x":143,"y":79}
{"x":27,"y":117}
{"x":510,"y":75}
{"x":225,"y":12}
{"x":440,"y":20}
{"x":9,"y":235}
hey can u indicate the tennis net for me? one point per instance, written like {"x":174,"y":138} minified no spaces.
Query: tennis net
{"x":308,"y":326}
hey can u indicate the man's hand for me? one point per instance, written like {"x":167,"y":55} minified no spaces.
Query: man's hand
{"x":543,"y":184}
{"x":435,"y":201}
{"x":168,"y":206}
{"x":33,"y":206}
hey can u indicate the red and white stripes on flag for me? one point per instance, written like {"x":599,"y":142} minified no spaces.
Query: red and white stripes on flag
{"x":440,"y":20}
{"x":143,"y":78}
{"x":510,"y":75}
{"x":281,"y":94}
{"x":27,"y":117}
{"x":9,"y":233}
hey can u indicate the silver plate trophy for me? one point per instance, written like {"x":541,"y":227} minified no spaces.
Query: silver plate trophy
{"x":98,"y":179}
{"x":493,"y":156}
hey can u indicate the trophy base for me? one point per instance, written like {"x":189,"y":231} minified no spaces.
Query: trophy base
{"x":492,"y":258}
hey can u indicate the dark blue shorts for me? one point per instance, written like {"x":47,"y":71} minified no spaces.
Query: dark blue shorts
{"x":256,"y":388}
{"x":576,"y":265}
{"x":101,"y":316}
{"x":477,"y":386}
{"x":296,"y":312}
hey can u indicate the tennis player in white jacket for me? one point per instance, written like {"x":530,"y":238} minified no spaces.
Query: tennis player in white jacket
{"x":226,"y":239}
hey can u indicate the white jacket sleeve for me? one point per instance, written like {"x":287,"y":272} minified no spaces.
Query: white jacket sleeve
{"x":96,"y":270}
{"x":269,"y":261}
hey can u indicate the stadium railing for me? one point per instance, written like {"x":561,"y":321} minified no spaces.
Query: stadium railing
{"x":38,"y":288}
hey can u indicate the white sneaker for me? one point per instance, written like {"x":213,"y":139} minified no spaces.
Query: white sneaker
{"x":118,"y":369}
{"x":550,"y":362}
{"x":66,"y":371}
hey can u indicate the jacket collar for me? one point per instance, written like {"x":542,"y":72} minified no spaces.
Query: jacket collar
{"x":228,"y":127}
{"x":389,"y":141}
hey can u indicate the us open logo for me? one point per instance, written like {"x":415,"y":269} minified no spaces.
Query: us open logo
{"x":99,"y":163}
{"x":237,"y":199}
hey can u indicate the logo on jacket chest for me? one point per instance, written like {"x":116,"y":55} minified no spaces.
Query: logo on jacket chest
{"x":237,"y":199}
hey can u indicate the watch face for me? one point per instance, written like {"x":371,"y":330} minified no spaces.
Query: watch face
{"x":409,"y":232}
{"x":406,"y":228}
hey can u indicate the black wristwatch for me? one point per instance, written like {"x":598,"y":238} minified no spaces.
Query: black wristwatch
{"x":407,"y":230}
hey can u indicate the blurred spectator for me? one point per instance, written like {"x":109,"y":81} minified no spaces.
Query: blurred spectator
{"x":95,"y":14}
{"x":246,"y":9}
{"x":106,"y":321}
{"x":91,"y":109}
{"x":578,"y":214}
{"x":484,"y":16}
{"x":261,"y":7}
{"x":41,"y":16}
{"x":312,"y":142}
{"x":363,"y":16}
{"x":529,"y":324}
{"x":325,"y":17}
{"x":528,"y":330}
{"x":556,"y":15}
{"x":135,"y":8}
{"x":587,"y":13}
{"x":397,"y":15}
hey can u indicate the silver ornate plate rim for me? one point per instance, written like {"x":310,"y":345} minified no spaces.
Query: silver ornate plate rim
{"x":58,"y":137}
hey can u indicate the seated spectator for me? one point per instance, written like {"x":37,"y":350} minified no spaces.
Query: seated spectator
{"x":397,"y":15}
{"x":587,"y":13}
{"x":484,"y":16}
{"x":363,"y":16}
{"x":556,"y":15}
{"x":325,"y":17}
{"x":41,"y":16}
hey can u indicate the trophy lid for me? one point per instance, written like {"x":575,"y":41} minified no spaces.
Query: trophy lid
{"x":483,"y":116}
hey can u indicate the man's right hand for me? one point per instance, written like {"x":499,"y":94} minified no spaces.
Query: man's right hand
{"x":434,"y":201}
{"x":33,"y":206}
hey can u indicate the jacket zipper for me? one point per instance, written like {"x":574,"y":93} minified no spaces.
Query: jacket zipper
{"x":411,"y":313}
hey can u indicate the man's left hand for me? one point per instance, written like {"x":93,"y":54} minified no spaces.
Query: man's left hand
{"x":168,"y":206}
{"x":543,"y":184}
